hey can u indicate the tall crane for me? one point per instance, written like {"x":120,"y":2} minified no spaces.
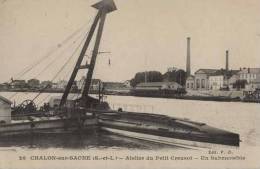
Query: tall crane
{"x":104,"y":7}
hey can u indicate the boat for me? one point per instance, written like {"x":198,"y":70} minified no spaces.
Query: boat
{"x":165,"y":129}
{"x":87,"y":112}
{"x":252,"y":96}
{"x":174,"y":91}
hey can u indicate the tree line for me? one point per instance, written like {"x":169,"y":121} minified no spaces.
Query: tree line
{"x":178,"y":76}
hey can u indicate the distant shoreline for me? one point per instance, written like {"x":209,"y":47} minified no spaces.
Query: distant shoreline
{"x":128,"y":93}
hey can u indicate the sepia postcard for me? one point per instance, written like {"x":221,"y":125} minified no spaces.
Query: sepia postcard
{"x":171,"y":84}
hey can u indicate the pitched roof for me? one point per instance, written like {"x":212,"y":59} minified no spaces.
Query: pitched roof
{"x":190,"y":77}
{"x":218,"y":72}
{"x":224,"y":72}
{"x":207,"y":71}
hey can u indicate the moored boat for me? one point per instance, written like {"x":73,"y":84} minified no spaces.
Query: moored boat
{"x":167,"y":130}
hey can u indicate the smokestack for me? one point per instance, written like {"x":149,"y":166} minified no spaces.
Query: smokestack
{"x":188,"y":57}
{"x":227,"y":59}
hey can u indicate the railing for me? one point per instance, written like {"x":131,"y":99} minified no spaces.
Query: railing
{"x":132,"y":107}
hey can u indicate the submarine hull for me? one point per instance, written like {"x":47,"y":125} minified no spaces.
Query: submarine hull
{"x":167,"y":130}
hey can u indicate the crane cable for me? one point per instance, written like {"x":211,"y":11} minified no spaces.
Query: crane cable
{"x":45,"y":98}
{"x":57,"y":57}
{"x":65,"y":64}
{"x":62,"y":68}
{"x":52,"y":51}
{"x":48,"y":65}
{"x":27,"y":69}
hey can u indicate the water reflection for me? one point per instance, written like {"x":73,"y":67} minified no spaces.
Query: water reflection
{"x":89,"y":140}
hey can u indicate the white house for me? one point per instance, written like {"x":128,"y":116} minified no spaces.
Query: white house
{"x":252,"y":76}
{"x":249,"y":74}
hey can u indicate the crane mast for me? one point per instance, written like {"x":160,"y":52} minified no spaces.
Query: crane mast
{"x":104,"y":7}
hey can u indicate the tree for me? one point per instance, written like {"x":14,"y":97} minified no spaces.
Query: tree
{"x":46,"y":84}
{"x":178,"y":76}
{"x":151,"y":76}
{"x":33,"y":83}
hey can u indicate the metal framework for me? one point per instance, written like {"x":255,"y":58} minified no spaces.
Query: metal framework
{"x":103,"y":7}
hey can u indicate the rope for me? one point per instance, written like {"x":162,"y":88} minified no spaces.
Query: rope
{"x":29,"y":68}
{"x":50,"y":64}
{"x":64,"y":65}
{"x":52,"y":51}
{"x":47,"y":66}
{"x":57,"y":57}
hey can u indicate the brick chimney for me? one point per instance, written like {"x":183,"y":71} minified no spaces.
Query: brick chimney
{"x":188,"y":58}
{"x":227,"y":60}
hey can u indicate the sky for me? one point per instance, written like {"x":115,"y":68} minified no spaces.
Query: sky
{"x":141,"y":35}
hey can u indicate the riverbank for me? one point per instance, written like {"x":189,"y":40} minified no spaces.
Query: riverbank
{"x":237,"y":117}
{"x":220,"y":96}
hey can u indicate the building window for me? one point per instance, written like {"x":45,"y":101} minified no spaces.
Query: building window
{"x":203,"y":83}
{"x":191,"y":86}
{"x":198,"y":83}
{"x":188,"y":85}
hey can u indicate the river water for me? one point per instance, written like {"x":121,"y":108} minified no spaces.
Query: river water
{"x":242,"y":118}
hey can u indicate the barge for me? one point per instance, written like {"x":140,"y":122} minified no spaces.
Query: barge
{"x":49,"y":125}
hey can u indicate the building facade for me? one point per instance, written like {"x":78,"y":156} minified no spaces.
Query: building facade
{"x":252,"y":77}
{"x":201,"y":79}
{"x":190,"y":85}
{"x":211,"y":79}
{"x":222,"y":79}
{"x":249,"y":74}
{"x":18,"y":84}
{"x":216,"y":82}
